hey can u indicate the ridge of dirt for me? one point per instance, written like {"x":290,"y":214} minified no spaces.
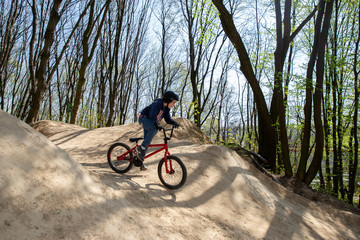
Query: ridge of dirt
{"x":296,"y":186}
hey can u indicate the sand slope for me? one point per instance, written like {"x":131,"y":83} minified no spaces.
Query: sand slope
{"x":49,"y":193}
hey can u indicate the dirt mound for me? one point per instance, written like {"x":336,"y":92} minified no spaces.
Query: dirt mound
{"x":43,"y":190}
{"x":46,"y":194}
{"x":186,"y":132}
{"x":49,"y":128}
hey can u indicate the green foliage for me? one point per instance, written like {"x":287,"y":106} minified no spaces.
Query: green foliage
{"x":206,"y":13}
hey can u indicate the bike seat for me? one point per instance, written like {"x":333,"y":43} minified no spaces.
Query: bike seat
{"x":135,"y":139}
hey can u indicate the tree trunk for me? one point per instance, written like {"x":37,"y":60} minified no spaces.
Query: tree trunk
{"x":114,"y":81}
{"x":305,"y":142}
{"x":327,"y":131}
{"x":87,"y":56}
{"x":277,"y":110}
{"x":39,"y":84}
{"x":319,"y":131}
{"x":267,"y":137}
{"x":354,"y":164}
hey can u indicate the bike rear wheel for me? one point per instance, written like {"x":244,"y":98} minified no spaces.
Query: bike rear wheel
{"x":176,"y":177}
{"x":119,"y":163}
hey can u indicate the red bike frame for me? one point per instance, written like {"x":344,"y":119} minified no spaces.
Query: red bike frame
{"x":163,"y":146}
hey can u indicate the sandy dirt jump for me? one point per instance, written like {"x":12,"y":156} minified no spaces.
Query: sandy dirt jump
{"x":57,"y":184}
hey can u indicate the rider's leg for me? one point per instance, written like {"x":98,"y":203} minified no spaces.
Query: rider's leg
{"x":149,"y":131}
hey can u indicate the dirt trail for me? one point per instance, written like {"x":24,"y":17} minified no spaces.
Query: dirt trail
{"x":64,"y":189}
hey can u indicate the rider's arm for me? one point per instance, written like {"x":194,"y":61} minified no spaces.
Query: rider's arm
{"x":167,"y":117}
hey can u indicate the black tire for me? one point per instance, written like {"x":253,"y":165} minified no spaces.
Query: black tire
{"x":123,"y":165}
{"x":175,"y":179}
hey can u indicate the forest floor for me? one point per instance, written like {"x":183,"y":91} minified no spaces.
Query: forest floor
{"x":55,"y":183}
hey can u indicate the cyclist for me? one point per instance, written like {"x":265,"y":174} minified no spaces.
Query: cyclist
{"x":149,"y":119}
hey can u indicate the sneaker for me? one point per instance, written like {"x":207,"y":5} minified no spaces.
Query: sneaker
{"x":140,"y":153}
{"x":143,"y":167}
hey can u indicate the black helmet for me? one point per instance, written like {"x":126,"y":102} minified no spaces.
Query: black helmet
{"x":169,"y":96}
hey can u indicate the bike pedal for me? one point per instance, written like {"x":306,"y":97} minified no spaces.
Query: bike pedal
{"x":137,"y":162}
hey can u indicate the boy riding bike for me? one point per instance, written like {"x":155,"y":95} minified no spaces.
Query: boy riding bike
{"x":149,"y":119}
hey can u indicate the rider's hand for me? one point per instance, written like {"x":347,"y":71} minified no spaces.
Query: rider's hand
{"x":176,"y":125}
{"x":158,"y":126}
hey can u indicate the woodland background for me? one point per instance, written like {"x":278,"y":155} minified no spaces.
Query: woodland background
{"x":276,"y":77}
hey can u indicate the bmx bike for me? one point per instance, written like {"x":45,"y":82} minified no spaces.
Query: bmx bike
{"x":171,"y":170}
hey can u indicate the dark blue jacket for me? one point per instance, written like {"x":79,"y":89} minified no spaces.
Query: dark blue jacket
{"x":156,"y":111}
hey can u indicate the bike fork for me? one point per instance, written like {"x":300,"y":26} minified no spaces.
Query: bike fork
{"x":168,"y":162}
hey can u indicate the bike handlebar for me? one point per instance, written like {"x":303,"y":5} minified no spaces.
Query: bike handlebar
{"x":168,"y":129}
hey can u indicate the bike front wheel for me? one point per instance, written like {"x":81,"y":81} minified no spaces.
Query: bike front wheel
{"x":120,"y":157}
{"x":176,"y":175}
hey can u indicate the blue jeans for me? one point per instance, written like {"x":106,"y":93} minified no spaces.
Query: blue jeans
{"x":149,"y":130}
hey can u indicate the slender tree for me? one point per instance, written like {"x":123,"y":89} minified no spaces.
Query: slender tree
{"x":353,"y":166}
{"x":284,"y":37}
{"x":38,"y":80}
{"x":267,"y":137}
{"x":8,"y":36}
{"x":205,"y":45}
{"x":305,"y":142}
{"x":319,"y":131}
{"x":113,"y":72}
{"x":88,"y":53}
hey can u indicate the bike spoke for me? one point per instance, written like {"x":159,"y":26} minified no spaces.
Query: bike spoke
{"x":118,"y":160}
{"x":174,"y":175}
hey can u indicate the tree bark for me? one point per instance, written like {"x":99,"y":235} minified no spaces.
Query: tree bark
{"x":319,"y":131}
{"x":87,"y":56}
{"x":327,"y":132}
{"x":40,"y":84}
{"x":277,"y":110}
{"x":305,"y":142}
{"x":354,"y":164}
{"x":114,"y":81}
{"x":278,"y":103}
{"x":267,"y":137}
